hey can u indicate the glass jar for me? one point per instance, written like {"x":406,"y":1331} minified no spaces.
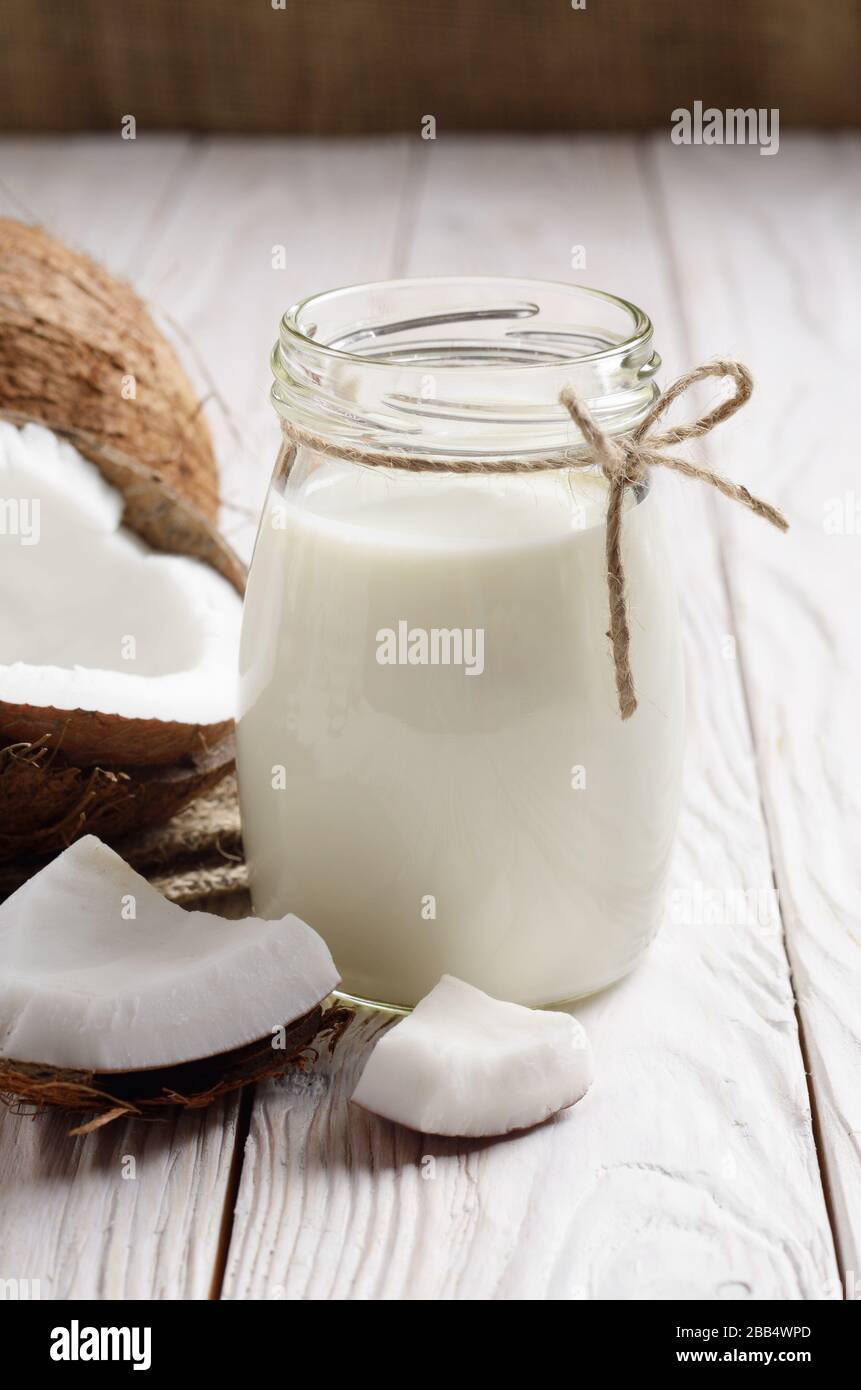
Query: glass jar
{"x":433,"y":771}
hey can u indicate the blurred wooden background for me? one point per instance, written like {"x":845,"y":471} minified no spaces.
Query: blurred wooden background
{"x":351,"y":66}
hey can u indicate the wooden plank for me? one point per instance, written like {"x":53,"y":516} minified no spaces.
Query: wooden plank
{"x":781,"y":285}
{"x":102,"y":194}
{"x":690,"y":1170}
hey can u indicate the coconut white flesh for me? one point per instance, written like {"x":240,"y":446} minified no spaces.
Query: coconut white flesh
{"x":75,"y":587}
{"x":83,"y":984}
{"x":465,"y":1064}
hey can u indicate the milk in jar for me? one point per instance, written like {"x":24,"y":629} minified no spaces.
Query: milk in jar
{"x":467,"y":802}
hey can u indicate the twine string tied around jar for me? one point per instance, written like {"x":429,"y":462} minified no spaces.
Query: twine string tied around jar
{"x":624,"y":460}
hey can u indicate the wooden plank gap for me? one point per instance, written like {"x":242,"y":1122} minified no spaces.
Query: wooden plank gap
{"x":231,"y":1191}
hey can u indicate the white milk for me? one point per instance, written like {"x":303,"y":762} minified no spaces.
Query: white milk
{"x":493,"y":817}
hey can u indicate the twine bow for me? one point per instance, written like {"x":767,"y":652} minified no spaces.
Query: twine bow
{"x":625,"y":462}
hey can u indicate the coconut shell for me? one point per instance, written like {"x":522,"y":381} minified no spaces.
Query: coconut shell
{"x":191,"y":1085}
{"x":88,"y":738}
{"x":75,"y":342}
{"x":46,"y":801}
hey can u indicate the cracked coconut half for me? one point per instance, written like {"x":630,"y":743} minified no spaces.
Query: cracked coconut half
{"x":119,"y":629}
{"x":100,"y":975}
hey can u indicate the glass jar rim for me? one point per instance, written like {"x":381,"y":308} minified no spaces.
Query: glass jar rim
{"x":462,"y":364}
{"x":290,"y":326}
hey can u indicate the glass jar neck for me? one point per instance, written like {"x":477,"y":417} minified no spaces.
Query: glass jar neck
{"x":462,"y":366}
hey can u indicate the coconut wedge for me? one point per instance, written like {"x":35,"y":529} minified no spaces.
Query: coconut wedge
{"x":465,"y":1064}
{"x":99,"y":973}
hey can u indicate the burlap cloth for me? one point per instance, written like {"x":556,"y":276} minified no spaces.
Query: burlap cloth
{"x":195,"y":859}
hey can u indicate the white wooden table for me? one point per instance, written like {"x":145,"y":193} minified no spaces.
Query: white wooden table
{"x":719,"y":1153}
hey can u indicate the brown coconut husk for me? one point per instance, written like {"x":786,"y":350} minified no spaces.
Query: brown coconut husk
{"x":46,"y":801}
{"x":72,"y":337}
{"x":151,"y":1095}
{"x":90,"y":738}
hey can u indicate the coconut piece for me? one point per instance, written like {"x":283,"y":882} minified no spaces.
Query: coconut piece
{"x":79,"y":352}
{"x":99,"y":973}
{"x":465,"y":1064}
{"x":99,"y":625}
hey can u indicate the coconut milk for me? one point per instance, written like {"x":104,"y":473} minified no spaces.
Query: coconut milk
{"x":433,"y":771}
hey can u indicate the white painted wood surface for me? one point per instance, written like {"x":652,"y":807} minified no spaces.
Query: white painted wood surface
{"x":694,"y":1168}
{"x":787,"y":295}
{"x":130,"y":1211}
